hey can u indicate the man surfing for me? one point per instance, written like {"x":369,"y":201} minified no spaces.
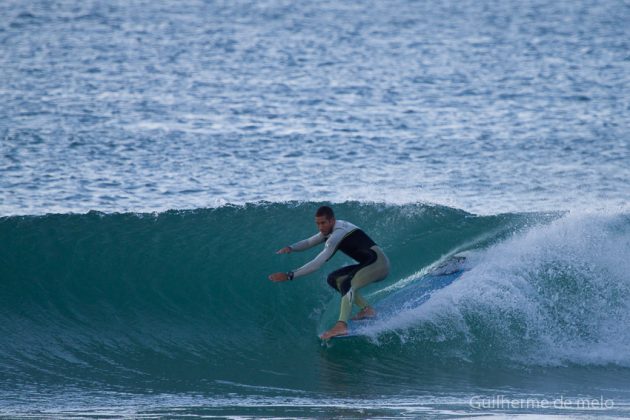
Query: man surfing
{"x":372,"y":266}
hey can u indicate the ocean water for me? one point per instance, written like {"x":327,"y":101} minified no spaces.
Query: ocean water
{"x":155,"y":155}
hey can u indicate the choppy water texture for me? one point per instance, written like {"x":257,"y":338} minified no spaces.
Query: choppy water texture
{"x":482,"y":105}
{"x":494,"y":129}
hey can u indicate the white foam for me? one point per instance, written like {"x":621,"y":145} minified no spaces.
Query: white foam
{"x":555,"y":294}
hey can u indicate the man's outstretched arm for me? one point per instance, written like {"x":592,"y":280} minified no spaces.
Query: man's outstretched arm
{"x":307,"y":268}
{"x":303,"y":245}
{"x":316,"y":263}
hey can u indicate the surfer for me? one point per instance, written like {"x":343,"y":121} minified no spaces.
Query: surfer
{"x":372,"y":266}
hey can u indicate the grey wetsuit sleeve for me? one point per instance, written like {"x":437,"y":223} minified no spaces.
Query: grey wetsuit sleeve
{"x":316,"y":263}
{"x":308,"y":243}
{"x":322,"y":257}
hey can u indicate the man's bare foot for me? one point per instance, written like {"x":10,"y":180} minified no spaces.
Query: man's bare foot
{"x":340,"y":328}
{"x":367,"y":312}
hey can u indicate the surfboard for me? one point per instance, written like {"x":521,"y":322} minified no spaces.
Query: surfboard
{"x":356,"y":327}
{"x":410,"y":296}
{"x":352,"y":334}
{"x":344,"y":337}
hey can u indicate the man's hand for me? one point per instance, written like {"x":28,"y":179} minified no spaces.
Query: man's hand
{"x":285,"y":250}
{"x":278,"y":277}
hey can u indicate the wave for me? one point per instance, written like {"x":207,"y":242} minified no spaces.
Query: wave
{"x":181,"y":295}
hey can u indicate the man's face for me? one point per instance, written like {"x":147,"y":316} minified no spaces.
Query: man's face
{"x":324,"y":225}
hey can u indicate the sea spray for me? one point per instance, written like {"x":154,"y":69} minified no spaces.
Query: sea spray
{"x":553,"y":294}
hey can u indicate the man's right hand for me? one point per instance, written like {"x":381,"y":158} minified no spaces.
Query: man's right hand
{"x":278,"y":277}
{"x":285,"y":250}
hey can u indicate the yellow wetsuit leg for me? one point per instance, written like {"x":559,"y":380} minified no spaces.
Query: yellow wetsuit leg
{"x":376,"y":271}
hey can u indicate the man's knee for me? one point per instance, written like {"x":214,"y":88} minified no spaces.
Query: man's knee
{"x":332,"y":281}
{"x":341,"y":283}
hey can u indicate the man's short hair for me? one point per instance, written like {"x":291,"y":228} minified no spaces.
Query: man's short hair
{"x":326,"y":212}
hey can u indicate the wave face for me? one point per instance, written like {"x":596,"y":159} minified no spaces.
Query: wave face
{"x":181,"y":298}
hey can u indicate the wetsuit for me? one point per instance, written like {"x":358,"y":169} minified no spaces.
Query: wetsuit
{"x":372,"y":266}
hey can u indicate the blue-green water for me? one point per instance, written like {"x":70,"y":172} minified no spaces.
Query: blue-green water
{"x":171,"y":313}
{"x":154,"y":155}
